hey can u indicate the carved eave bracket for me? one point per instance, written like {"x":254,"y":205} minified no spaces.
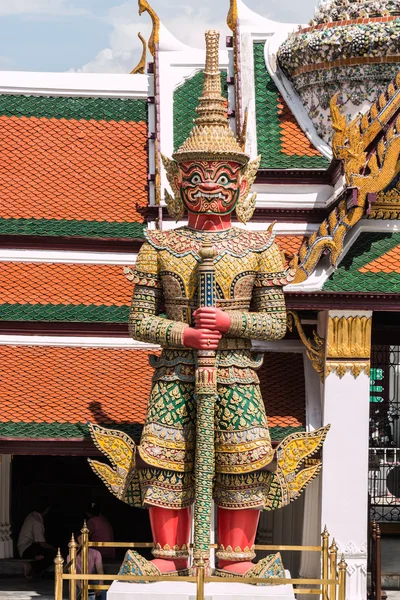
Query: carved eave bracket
{"x":368,"y":171}
{"x":315,"y":348}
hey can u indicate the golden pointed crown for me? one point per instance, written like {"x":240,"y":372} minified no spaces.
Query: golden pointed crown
{"x":211,"y":137}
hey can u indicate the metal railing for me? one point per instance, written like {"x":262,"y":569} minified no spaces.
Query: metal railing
{"x":331,"y":585}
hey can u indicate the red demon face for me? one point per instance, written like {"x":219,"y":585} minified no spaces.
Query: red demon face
{"x":210,"y":187}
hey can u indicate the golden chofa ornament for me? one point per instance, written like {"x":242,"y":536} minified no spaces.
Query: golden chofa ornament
{"x":211,"y":153}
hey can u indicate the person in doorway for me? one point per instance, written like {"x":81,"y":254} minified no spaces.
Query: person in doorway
{"x":32,"y":543}
{"x":95,"y":565}
{"x":100,"y":529}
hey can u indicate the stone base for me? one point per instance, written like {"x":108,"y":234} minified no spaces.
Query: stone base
{"x":187,"y":591}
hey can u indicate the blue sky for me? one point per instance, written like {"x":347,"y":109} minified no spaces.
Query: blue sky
{"x":101,"y":35}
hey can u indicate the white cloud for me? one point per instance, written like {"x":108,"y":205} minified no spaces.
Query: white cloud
{"x":186,"y":20}
{"x":50,"y":8}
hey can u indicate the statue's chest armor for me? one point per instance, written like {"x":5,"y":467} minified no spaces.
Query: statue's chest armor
{"x":234,"y":276}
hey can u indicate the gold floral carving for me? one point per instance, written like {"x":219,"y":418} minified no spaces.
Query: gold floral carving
{"x":387,"y":205}
{"x":154,"y":39}
{"x":315,"y":348}
{"x":349,"y":337}
{"x":341,"y":368}
{"x":368,"y":173}
{"x":140,"y":67}
{"x":348,"y":347}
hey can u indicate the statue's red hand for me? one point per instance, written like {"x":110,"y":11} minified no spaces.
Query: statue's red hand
{"x":212,"y":318}
{"x":201,"y":339}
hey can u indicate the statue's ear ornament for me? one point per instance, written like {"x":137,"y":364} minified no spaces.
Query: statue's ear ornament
{"x":176,"y":209}
{"x":247,"y":203}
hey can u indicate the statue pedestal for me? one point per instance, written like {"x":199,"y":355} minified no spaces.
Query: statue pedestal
{"x":187,"y":591}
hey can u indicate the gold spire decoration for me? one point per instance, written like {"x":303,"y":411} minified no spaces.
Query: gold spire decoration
{"x":211,"y":137}
{"x":140,"y":67}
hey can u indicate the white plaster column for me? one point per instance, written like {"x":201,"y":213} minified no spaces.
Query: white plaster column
{"x":344,"y":490}
{"x":6,"y":545}
{"x":310,"y":563}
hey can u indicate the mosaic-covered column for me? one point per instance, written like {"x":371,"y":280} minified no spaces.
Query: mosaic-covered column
{"x":6,"y":545}
{"x":344,"y":493}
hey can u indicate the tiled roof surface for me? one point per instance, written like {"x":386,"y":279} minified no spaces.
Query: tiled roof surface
{"x":281,"y":142}
{"x":371,"y":265}
{"x":64,"y":292}
{"x":186,"y":99}
{"x":69,"y":292}
{"x":290,"y":244}
{"x":283,"y":389}
{"x":293,"y":140}
{"x":73,"y":166}
{"x":53,"y":392}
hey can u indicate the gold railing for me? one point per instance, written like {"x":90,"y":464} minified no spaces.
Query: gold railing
{"x":331,"y":585}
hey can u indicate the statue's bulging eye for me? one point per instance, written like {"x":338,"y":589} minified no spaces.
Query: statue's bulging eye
{"x":195,"y":179}
{"x":223,"y":180}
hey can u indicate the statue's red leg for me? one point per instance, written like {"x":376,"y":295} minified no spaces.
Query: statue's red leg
{"x":236,"y":537}
{"x":171,"y":535}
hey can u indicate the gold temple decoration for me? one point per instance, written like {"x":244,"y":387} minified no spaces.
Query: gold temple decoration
{"x":211,"y":135}
{"x":315,"y":349}
{"x":232,"y":17}
{"x":348,"y":347}
{"x":367,"y":172}
{"x":140,"y":67}
{"x":154,"y":39}
{"x":387,"y":205}
{"x":211,"y":138}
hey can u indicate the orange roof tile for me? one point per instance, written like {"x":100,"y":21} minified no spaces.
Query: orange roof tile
{"x":290,"y":243}
{"x":70,"y":169}
{"x":112,"y":386}
{"x":77,"y":284}
{"x":44,"y":283}
{"x":387,"y":263}
{"x":294,"y":140}
{"x":73,"y":385}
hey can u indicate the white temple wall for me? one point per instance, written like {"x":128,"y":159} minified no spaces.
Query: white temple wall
{"x":6,"y":545}
{"x":344,"y":484}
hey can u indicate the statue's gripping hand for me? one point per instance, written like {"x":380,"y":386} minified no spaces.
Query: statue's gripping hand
{"x":212,"y":318}
{"x":210,"y":324}
{"x":201,"y":339}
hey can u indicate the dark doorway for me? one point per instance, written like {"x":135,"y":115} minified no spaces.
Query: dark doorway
{"x":69,"y":485}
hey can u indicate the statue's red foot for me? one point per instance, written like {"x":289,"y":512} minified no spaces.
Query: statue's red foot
{"x":167,"y":566}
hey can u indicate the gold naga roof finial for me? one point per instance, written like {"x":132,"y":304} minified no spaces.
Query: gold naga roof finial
{"x":232,"y":17}
{"x":211,"y":137}
{"x":140,"y":67}
{"x":144,"y":6}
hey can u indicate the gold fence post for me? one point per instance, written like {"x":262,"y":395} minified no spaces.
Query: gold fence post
{"x":85,"y":560}
{"x":325,"y":561}
{"x":58,"y":582}
{"x":72,"y":557}
{"x":201,"y":573}
{"x":342,"y":578}
{"x":333,"y":552}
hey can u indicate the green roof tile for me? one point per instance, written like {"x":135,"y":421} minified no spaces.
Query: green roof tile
{"x":66,"y":227}
{"x":80,"y":430}
{"x":99,"y":109}
{"x":367,"y":248}
{"x":64,"y":313}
